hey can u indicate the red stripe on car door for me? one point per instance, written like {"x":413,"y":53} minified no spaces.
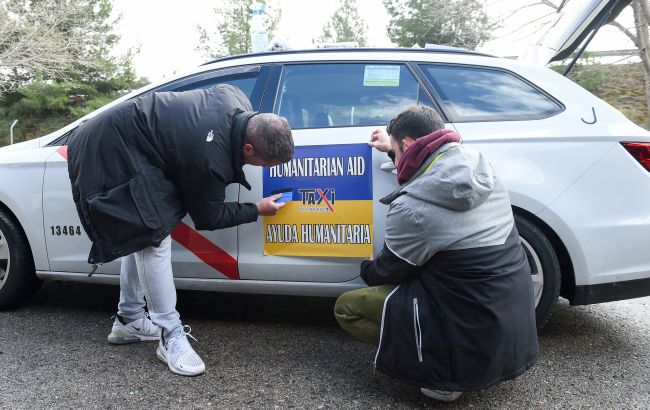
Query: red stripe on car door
{"x":63,"y":151}
{"x":206,"y":250}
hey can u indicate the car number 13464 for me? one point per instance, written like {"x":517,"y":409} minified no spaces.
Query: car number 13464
{"x":68,"y":230}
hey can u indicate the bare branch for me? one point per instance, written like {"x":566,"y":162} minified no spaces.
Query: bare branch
{"x":627,"y":32}
{"x":31,"y":41}
{"x":512,"y":13}
{"x":552,"y":5}
{"x":540,"y":18}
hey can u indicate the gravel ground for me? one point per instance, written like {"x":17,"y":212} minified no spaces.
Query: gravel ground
{"x":288,"y":352}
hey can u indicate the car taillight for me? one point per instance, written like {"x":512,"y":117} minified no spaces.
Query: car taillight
{"x":640,"y":151}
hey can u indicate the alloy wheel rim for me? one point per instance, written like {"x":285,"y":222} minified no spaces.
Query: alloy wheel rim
{"x":5,"y":258}
{"x":536,"y":270}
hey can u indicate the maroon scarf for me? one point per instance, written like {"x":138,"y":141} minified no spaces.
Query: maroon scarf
{"x":420,"y":150}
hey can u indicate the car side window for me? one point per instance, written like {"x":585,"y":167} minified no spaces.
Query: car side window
{"x":244,"y":81}
{"x":250,"y":79}
{"x":469,"y":93}
{"x":346,"y":94}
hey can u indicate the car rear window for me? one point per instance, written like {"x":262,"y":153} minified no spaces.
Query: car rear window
{"x":469,"y":93}
{"x":346,"y":94}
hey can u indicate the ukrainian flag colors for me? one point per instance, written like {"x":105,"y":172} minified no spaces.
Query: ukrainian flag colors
{"x":330,"y":213}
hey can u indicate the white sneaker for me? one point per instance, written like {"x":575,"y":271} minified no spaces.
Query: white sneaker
{"x":441,"y":395}
{"x":179,"y":355}
{"x":140,"y":330}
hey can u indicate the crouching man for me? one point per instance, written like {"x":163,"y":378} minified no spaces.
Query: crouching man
{"x":450,"y":303}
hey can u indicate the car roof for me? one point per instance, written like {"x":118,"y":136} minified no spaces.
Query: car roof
{"x":435,"y":49}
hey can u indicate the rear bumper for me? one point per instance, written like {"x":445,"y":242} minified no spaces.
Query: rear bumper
{"x":608,"y":292}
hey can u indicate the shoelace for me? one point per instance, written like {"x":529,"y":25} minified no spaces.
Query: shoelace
{"x":178,"y":341}
{"x":189,"y":330}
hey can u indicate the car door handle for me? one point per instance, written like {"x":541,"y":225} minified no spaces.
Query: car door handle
{"x":388,"y":166}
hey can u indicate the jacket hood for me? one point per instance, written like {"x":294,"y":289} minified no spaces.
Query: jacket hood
{"x":454,"y":177}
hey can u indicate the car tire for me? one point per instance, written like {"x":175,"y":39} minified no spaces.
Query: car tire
{"x":544,"y":266}
{"x":18,"y":279}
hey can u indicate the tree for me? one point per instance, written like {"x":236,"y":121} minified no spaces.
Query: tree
{"x":641,"y":40}
{"x":346,"y":25}
{"x":56,"y":40}
{"x":231,"y":36}
{"x":460,"y":23}
{"x":56,"y":63}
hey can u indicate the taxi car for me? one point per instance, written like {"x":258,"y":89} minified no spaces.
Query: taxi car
{"x":577,"y":171}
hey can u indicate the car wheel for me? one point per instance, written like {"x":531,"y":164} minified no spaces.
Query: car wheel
{"x":18,"y":278}
{"x":544,"y":266}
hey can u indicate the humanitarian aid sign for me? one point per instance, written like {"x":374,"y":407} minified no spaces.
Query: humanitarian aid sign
{"x":328,"y":194}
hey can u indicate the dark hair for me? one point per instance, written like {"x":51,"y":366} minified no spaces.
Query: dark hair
{"x":271,"y":137}
{"x":415,"y":122}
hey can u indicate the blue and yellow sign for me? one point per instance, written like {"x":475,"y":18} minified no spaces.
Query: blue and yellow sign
{"x":328,"y":191}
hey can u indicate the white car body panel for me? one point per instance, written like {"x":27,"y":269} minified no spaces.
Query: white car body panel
{"x":23,"y":167}
{"x":608,"y":235}
{"x":66,"y":253}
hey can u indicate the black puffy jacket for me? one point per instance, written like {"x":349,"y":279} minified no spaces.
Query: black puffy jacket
{"x":137,"y":168}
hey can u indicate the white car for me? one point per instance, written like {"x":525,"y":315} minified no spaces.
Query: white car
{"x":578,"y":174}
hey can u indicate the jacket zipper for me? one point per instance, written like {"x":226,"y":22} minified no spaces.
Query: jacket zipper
{"x":383,"y":317}
{"x":417,"y":329}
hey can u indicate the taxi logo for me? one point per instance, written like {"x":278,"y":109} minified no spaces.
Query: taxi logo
{"x":317,"y":199}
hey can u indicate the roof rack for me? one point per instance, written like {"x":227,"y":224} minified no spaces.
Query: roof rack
{"x":431,"y":48}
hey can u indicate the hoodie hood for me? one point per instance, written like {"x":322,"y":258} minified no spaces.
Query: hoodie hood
{"x":453,"y":177}
{"x":422,"y":149}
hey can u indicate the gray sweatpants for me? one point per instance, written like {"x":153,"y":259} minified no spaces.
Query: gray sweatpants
{"x":148,"y":274}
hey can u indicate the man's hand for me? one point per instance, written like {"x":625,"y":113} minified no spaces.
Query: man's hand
{"x":268,"y":207}
{"x":380,"y":140}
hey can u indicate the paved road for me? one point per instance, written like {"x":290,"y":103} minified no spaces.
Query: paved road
{"x":287,"y":352}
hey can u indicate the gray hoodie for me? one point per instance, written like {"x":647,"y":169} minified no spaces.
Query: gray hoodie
{"x":452,"y":181}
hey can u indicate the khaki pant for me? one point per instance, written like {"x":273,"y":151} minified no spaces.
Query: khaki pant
{"x":359,"y":312}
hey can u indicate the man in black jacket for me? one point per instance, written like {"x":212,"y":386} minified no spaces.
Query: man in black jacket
{"x":137,"y":168}
{"x":451,"y":304}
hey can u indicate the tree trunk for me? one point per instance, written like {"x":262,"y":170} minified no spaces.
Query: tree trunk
{"x":645,"y":6}
{"x":641,"y":15}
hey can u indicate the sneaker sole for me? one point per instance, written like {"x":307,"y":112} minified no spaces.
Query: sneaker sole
{"x":161,"y":355}
{"x":121,"y":337}
{"x":446,"y":397}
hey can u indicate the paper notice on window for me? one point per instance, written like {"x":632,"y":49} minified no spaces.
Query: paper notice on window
{"x":381,"y":76}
